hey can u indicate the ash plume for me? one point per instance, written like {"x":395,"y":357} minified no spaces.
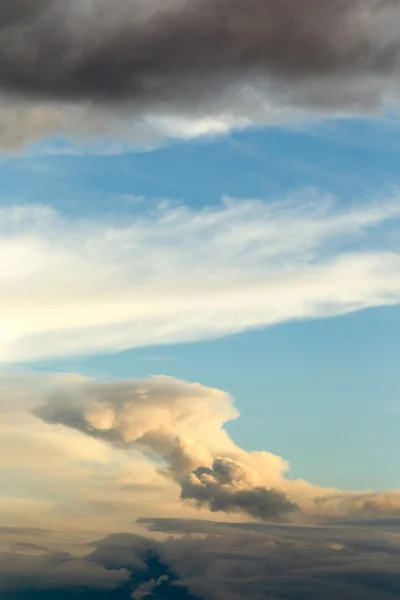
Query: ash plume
{"x":181,"y":426}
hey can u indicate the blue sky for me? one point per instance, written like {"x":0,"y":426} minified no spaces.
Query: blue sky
{"x":348,"y":158}
{"x":316,"y":391}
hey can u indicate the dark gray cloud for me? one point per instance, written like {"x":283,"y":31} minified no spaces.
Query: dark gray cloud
{"x":275,"y":561}
{"x":21,"y":571}
{"x":182,"y":51}
{"x":141,"y":71}
{"x":223,"y":488}
{"x":17,"y":12}
{"x":217,"y":560}
{"x":122,"y":567}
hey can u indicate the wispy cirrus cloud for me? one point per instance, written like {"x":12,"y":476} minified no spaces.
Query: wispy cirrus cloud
{"x":73,"y":286}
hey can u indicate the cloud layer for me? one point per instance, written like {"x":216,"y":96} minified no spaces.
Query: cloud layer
{"x":205,"y":65}
{"x":172,"y":274}
{"x":212,"y":560}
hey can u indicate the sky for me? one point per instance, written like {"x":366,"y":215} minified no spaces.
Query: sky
{"x":199,"y":307}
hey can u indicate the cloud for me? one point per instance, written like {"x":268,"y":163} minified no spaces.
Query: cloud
{"x":220,"y":487}
{"x":174,"y":420}
{"x":135,"y":50}
{"x":24,"y":531}
{"x":46,"y":572}
{"x":170,"y":274}
{"x":213,"y":560}
{"x":182,"y":424}
{"x":121,"y":566}
{"x":185,"y":68}
{"x":80,"y":487}
{"x":284,"y":562}
{"x":181,"y":427}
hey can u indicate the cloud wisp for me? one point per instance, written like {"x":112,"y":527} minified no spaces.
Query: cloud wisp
{"x":172,"y":274}
{"x":189,"y":67}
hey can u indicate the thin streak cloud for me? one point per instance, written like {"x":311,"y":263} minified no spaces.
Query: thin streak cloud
{"x":172,"y":274}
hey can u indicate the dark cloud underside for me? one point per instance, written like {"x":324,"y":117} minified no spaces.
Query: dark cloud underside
{"x":229,"y":561}
{"x":174,"y":51}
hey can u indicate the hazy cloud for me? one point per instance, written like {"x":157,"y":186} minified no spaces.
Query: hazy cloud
{"x":47,"y":572}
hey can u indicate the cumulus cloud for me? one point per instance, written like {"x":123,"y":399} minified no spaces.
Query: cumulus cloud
{"x":205,"y":65}
{"x":171,"y":274}
{"x":61,"y":479}
{"x":182,"y":425}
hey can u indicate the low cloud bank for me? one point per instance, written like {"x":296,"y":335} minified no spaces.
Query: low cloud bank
{"x":199,"y":560}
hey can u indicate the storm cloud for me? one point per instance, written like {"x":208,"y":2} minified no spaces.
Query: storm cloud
{"x":169,"y":50}
{"x":184,"y":68}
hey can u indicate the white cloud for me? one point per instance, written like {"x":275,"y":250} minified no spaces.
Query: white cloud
{"x":172,"y":274}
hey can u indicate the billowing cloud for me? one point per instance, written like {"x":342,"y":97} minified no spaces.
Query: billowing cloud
{"x":208,"y":65}
{"x":223,"y":488}
{"x":73,"y":286}
{"x":182,"y":425}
